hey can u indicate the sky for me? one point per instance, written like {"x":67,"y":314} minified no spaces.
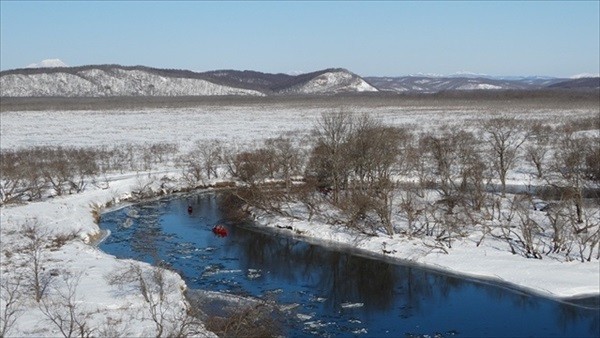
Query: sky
{"x":370,"y":38}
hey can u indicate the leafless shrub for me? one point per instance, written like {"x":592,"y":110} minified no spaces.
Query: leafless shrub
{"x":519,"y":230}
{"x":358,"y":211}
{"x":587,"y":234}
{"x":251,"y":321}
{"x":143,"y":187}
{"x":411,"y":208}
{"x":504,"y":137}
{"x":558,"y":215}
{"x":61,"y":239}
{"x":171,"y":319}
{"x":36,"y":239}
{"x":288,"y":158}
{"x":10,"y":303}
{"x":308,"y":194}
{"x":569,"y":173}
{"x":114,"y":328}
{"x":530,"y":230}
{"x":163,"y":151}
{"x":62,"y":308}
{"x":210,"y":156}
{"x":329,"y":159}
{"x":254,"y":166}
{"x":456,"y":168}
{"x":13,"y":181}
{"x":192,"y":170}
{"x":269,"y":197}
{"x":536,"y":148}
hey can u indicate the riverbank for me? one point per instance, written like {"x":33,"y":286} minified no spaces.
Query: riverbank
{"x":488,"y":260}
{"x":106,"y":308}
{"x":73,"y":217}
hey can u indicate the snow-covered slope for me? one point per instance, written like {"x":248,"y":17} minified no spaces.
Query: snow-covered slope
{"x":332,"y":81}
{"x":115,"y":80}
{"x":99,"y":82}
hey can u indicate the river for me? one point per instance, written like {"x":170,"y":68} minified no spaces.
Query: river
{"x":333,"y":292}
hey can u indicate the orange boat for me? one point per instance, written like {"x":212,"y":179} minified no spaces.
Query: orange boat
{"x":220,"y":230}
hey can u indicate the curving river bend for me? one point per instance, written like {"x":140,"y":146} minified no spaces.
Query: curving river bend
{"x":337,"y":293}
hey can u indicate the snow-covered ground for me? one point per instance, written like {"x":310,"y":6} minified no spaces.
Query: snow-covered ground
{"x":243,"y":124}
{"x":122,"y":307}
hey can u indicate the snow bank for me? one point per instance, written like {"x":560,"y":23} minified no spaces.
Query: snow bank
{"x":104,"y":305}
{"x":491,"y":261}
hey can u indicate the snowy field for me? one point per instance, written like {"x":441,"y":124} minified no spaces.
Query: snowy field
{"x":242,"y":124}
{"x":106,"y":306}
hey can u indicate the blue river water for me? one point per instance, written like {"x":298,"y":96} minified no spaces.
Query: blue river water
{"x":337,"y":293}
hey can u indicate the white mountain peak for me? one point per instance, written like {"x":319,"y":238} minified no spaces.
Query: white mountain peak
{"x":584,"y":75}
{"x":48,"y":63}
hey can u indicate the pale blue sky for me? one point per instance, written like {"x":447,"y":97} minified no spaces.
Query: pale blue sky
{"x":369,"y":38}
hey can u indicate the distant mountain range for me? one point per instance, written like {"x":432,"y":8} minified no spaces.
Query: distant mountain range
{"x":116,"y":80}
{"x":439,"y":84}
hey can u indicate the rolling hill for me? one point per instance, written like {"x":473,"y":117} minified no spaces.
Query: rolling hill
{"x":115,"y":80}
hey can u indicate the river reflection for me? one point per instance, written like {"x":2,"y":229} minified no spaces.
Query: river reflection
{"x":338,"y":294}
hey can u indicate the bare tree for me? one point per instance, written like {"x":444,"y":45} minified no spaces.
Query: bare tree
{"x":57,"y":170}
{"x":210,"y":153}
{"x":530,"y":230}
{"x":249,"y":321}
{"x":191,"y":166}
{"x":63,"y":309}
{"x":287,"y":156}
{"x":35,"y":241}
{"x":171,"y":319}
{"x":570,"y":170}
{"x":10,"y":302}
{"x":456,"y":168}
{"x":410,"y":207}
{"x":332,"y":134}
{"x":537,"y":146}
{"x":255,"y":166}
{"x":557,"y":214}
{"x":373,"y":152}
{"x":84,"y":164}
{"x":504,"y":136}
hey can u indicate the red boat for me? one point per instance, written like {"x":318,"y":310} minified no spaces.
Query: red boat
{"x":220,"y":230}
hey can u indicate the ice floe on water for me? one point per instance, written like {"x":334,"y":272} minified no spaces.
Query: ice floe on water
{"x":254,"y":273}
{"x":304,"y":317}
{"x":348,"y":305}
{"x":215,"y":269}
{"x":318,"y":299}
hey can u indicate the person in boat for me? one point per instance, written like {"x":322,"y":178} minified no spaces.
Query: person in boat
{"x":190,"y":209}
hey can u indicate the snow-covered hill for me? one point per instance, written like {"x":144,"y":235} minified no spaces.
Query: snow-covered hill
{"x":332,"y":81}
{"x":114,"y":80}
